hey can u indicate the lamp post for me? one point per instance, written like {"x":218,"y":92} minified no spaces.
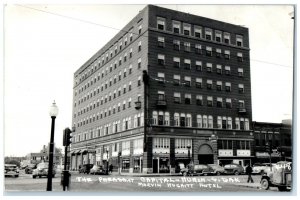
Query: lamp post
{"x":119,"y":159}
{"x":53,"y":113}
{"x":189,"y":153}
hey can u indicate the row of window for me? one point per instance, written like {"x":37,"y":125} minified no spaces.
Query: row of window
{"x":198,"y":65}
{"x":120,"y":146}
{"x":109,"y":82}
{"x":110,"y":128}
{"x":103,"y":113}
{"x":199,"y":100}
{"x":113,"y":51}
{"x":109,"y":96}
{"x":198,"y":49}
{"x":198,"y":31}
{"x":161,"y":118}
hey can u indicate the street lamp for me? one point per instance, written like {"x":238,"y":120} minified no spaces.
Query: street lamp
{"x":53,"y":112}
{"x":189,"y":153}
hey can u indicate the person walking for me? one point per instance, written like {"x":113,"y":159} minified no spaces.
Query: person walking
{"x":249,"y":173}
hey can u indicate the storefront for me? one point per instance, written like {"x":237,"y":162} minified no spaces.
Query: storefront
{"x":161,"y":164}
{"x":125,"y":165}
{"x":137,"y":164}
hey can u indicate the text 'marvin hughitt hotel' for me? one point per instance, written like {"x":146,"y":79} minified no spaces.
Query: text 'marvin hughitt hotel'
{"x":169,"y":87}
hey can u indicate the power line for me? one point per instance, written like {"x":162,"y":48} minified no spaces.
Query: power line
{"x":105,"y":26}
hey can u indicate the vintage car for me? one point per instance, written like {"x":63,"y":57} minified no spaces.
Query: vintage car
{"x":233,"y":169}
{"x":11,"y":170}
{"x":29,"y":168}
{"x":98,"y":169}
{"x":200,"y":169}
{"x":280,"y":176}
{"x":218,"y":170}
{"x":42,"y":170}
{"x":85,"y":168}
{"x":260,"y":168}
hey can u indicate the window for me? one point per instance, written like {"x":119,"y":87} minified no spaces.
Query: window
{"x":240,"y":57}
{"x":209,"y":101}
{"x":208,"y":67}
{"x":187,"y":46}
{"x":116,"y":51}
{"x":227,"y":38}
{"x":219,"y":122}
{"x":130,"y":53}
{"x":189,"y":120}
{"x":161,"y":59}
{"x":187,"y":81}
{"x":208,"y":33}
{"x":161,"y":41}
{"x":218,"y":53}
{"x":237,"y":123}
{"x":140,"y":29}
{"x":219,"y":69}
{"x":125,"y":40}
{"x":177,"y":98}
{"x":241,"y":104}
{"x":186,"y":29}
{"x":218,"y":36}
{"x":209,"y":84}
{"x":167,"y":119}
{"x":176,"y":62}
{"x":241,"y":88}
{"x":219,"y":102}
{"x":182,"y":120}
{"x":199,"y":100}
{"x":229,"y":123}
{"x":227,"y":87}
{"x":208,"y":51}
{"x":130,"y":69}
{"x":187,"y":98}
{"x":140,"y":46}
{"x":161,"y":77}
{"x":154,"y":118}
{"x":187,"y":63}
{"x":125,"y":73}
{"x":239,"y":40}
{"x":176,"y":26}
{"x":130,"y":35}
{"x":120,"y":61}
{"x":198,"y":82}
{"x":227,"y":54}
{"x":198,"y":31}
{"x":198,"y":49}
{"x":129,"y":86}
{"x":160,"y":118}
{"x":176,"y":79}
{"x":219,"y":85}
{"x":161,"y":95}
{"x":199,"y":121}
{"x":210,"y":122}
{"x":161,"y":23}
{"x":198,"y":65}
{"x":241,"y":72}
{"x":161,"y":143}
{"x":139,"y":63}
{"x":176,"y":45}
{"x":139,"y":81}
{"x":247,"y":124}
{"x":176,"y":119}
{"x":227,"y":70}
{"x":228,"y":103}
{"x":204,"y":122}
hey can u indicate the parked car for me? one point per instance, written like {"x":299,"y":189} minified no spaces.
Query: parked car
{"x":42,"y":170}
{"x":11,"y":170}
{"x":98,"y":169}
{"x":280,"y":175}
{"x":260,"y":168}
{"x":200,"y":169}
{"x":30,"y":168}
{"x":85,"y":168}
{"x":218,"y":170}
{"x":233,"y":169}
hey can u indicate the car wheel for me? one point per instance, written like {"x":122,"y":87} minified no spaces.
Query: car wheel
{"x":184,"y":174}
{"x":16,"y":176}
{"x":236,"y":173}
{"x":264,"y":184}
{"x":33,"y":176}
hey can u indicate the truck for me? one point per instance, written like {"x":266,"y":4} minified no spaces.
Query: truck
{"x":279,"y":175}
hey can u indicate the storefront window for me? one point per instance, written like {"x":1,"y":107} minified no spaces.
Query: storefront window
{"x":137,"y":165}
{"x":164,"y":165}
{"x":125,"y":165}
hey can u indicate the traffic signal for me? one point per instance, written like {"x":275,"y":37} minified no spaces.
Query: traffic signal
{"x":67,"y":137}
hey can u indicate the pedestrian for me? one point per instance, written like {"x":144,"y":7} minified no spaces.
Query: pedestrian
{"x":110,"y":168}
{"x":249,"y":173}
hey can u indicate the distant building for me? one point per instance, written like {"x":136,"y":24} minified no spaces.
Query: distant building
{"x":169,"y":88}
{"x":43,"y":156}
{"x":278,"y":136}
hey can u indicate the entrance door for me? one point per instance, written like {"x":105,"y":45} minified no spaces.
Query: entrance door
{"x":205,"y":155}
{"x":155,"y":165}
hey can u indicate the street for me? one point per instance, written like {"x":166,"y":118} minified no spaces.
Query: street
{"x":147,"y":183}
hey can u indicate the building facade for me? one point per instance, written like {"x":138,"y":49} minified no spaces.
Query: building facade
{"x":169,"y":88}
{"x":279,"y":138}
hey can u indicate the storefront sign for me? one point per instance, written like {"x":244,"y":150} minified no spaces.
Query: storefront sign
{"x":243,"y":152}
{"x":225,"y":152}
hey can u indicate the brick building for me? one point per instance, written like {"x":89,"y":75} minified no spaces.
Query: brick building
{"x":170,"y":87}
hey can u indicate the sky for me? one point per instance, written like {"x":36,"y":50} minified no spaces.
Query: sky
{"x":45,"y":44}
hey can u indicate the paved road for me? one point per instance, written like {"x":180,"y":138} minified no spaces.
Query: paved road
{"x":117,"y":183}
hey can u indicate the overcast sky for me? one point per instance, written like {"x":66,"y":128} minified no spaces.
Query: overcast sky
{"x":46,"y":44}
